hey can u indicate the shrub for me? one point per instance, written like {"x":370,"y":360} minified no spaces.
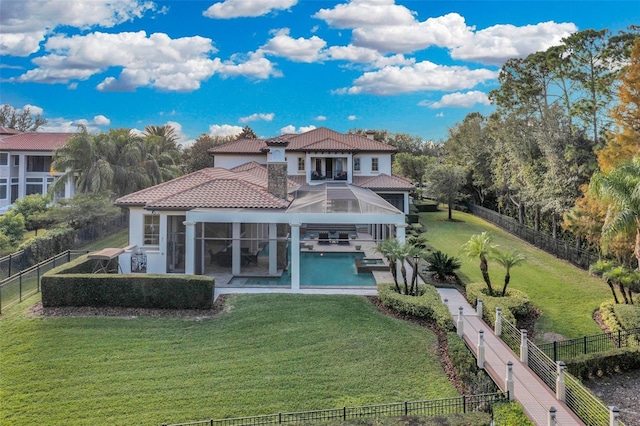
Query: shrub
{"x":608,"y":316}
{"x":43,"y":247}
{"x":510,"y":414}
{"x":441,"y":264}
{"x":426,"y":305}
{"x":474,"y":380}
{"x":627,"y":315}
{"x":604,"y":363}
{"x":413,"y":218}
{"x":514,"y":305}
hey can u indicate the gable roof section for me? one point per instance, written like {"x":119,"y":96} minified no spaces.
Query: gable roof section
{"x":260,"y":171}
{"x":383,"y":181}
{"x":34,"y":141}
{"x":207,"y":188}
{"x":320,"y":139}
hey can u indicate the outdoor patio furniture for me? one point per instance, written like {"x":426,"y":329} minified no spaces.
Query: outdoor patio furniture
{"x":315,"y":175}
{"x":323,"y":238}
{"x":343,"y":238}
{"x":341,"y":175}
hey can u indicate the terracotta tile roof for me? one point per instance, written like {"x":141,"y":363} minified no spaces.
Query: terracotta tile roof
{"x":320,"y":139}
{"x":207,"y":188}
{"x":34,"y":141}
{"x":260,"y":170}
{"x":383,"y":181}
{"x":8,"y":131}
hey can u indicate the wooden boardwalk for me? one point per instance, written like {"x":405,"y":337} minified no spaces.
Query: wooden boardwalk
{"x":529,"y":390}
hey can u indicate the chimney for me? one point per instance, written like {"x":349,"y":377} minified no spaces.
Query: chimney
{"x":277,"y":168}
{"x":370,"y":134}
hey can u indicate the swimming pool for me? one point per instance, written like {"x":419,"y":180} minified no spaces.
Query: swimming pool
{"x":320,"y":269}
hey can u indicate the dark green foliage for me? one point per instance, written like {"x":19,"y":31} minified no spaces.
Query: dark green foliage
{"x":425,"y":206}
{"x":628,"y":315}
{"x":442,"y":265}
{"x":43,"y":247}
{"x":61,"y":288}
{"x":12,"y":225}
{"x":604,"y":363}
{"x":475,"y":381}
{"x":426,"y":305}
{"x":413,"y":218}
{"x":514,"y":305}
{"x":509,"y":414}
{"x":468,"y":419}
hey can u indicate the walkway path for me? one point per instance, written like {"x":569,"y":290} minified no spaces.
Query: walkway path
{"x":529,"y":390}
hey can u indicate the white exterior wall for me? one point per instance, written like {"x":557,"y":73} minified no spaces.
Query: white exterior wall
{"x":231,"y":161}
{"x":384,"y":164}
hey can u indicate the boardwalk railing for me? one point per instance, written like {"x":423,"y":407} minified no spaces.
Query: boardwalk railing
{"x":557,"y":247}
{"x":568,"y":349}
{"x":584,"y":403}
{"x":434,"y":407}
{"x":26,"y":283}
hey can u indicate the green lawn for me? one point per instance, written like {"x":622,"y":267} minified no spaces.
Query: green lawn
{"x":118,"y":239}
{"x":566,"y":295}
{"x":267,"y":354}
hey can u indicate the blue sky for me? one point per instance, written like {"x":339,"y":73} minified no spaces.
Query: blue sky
{"x":279,"y":66}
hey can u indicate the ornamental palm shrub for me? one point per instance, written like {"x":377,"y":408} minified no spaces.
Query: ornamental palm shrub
{"x":442,"y":265}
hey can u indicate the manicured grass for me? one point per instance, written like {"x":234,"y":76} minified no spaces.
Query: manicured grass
{"x":267,"y":354}
{"x":566,"y":295}
{"x":117,"y":239}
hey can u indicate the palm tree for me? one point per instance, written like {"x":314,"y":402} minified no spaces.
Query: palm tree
{"x":160,"y":153}
{"x":480,"y":246}
{"x":621,"y":188}
{"x":632,"y":283}
{"x":508,"y":260}
{"x":599,"y":268}
{"x":389,"y":249}
{"x":616,"y":276}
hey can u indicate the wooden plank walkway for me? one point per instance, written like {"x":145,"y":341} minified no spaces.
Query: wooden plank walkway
{"x":529,"y":390}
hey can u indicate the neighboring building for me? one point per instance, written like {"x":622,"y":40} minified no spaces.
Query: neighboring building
{"x":254,"y":213}
{"x":25,"y":164}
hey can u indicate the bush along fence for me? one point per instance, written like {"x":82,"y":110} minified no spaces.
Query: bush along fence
{"x":569,"y":349}
{"x":568,"y":389}
{"x":435,"y":407}
{"x":559,"y":248}
{"x":57,"y":241}
{"x":26,"y":282}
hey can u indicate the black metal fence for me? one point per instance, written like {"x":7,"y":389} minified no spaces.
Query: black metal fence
{"x":434,"y":407}
{"x":568,"y":349}
{"x":17,"y":261}
{"x":26,"y":282}
{"x":559,"y":248}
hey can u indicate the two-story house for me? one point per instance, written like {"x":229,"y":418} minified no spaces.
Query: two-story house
{"x":25,"y":164}
{"x":253,"y":218}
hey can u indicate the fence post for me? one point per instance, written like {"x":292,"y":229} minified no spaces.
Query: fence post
{"x":509,"y":380}
{"x":524,"y":348}
{"x":481,"y":349}
{"x":585,"y":345}
{"x":497,"y":328}
{"x":460,"y":323}
{"x":464,"y":404}
{"x":479,"y":308}
{"x":10,"y":255}
{"x":614,"y":413}
{"x":551,"y":420}
{"x":20,"y":281}
{"x":560,"y":385}
{"x":555,"y":351}
{"x":619,"y":338}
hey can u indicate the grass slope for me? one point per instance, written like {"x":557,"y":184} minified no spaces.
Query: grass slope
{"x":566,"y":295}
{"x":268,"y":354}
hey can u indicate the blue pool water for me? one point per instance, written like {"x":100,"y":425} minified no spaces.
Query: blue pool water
{"x":322,"y":269}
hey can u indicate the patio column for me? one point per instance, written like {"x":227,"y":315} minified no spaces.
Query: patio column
{"x":273,"y":249}
{"x":190,"y":247}
{"x":235,"y":248}
{"x":295,"y":256}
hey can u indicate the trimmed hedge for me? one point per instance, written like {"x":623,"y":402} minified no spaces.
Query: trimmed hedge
{"x":458,"y":419}
{"x":427,"y":305}
{"x":609,"y":316}
{"x":514,"y":305}
{"x":46,"y":246}
{"x":510,"y":414}
{"x":72,"y":285}
{"x":604,"y":363}
{"x":413,"y":218}
{"x":426,"y":207}
{"x":628,"y":315}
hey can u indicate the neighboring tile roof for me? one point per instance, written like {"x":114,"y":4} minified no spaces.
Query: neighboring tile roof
{"x":321,"y":139}
{"x":7,"y":131}
{"x":207,"y":188}
{"x":383,"y":181}
{"x":34,"y":141}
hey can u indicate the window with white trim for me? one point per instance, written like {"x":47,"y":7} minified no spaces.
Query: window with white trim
{"x":356,"y":164}
{"x":3,"y":189}
{"x":4,"y":159}
{"x":374,"y":165}
{"x":301,"y":164}
{"x":151,"y":230}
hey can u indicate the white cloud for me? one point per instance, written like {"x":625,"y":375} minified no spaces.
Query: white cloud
{"x":459,"y":99}
{"x":253,"y":64}
{"x":224,"y":130}
{"x":321,"y":118}
{"x":498,"y":43}
{"x":258,"y":117}
{"x":290,"y":129}
{"x":364,"y":55}
{"x":299,"y":49}
{"x":422,"y":76}
{"x":366,"y":13}
{"x":101,"y":120}
{"x":243,"y":8}
{"x":24,"y":24}
{"x":352,"y":118}
{"x":440,"y":114}
{"x":65,"y":125}
{"x":35,"y":110}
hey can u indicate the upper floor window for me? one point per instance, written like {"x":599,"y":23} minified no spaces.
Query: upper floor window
{"x":38,"y":163}
{"x":4,"y":159}
{"x":151,"y":230}
{"x":356,"y":164}
{"x":374,"y":165}
{"x":301,"y":164}
{"x":3,"y":189}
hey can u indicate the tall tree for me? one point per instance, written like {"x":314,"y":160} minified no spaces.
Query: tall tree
{"x":480,"y":246}
{"x":445,"y":182}
{"x":247,"y":133}
{"x":508,"y":260}
{"x":22,"y":121}
{"x":411,"y":166}
{"x":196,"y":156}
